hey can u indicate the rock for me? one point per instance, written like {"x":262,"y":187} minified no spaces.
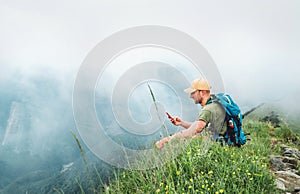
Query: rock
{"x":290,"y":180}
{"x":284,"y":163}
{"x":277,"y":164}
{"x":292,"y":152}
{"x":66,"y":167}
{"x":286,"y":170}
{"x":280,"y":184}
{"x":293,"y":162}
{"x":288,"y":173}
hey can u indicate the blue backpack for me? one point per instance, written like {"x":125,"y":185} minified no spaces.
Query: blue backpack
{"x":234,"y":134}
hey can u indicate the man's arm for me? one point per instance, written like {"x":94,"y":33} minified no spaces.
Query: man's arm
{"x":180,"y":122}
{"x":193,"y":128}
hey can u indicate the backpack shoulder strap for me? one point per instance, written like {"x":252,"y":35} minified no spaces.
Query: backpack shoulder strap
{"x":213,"y":98}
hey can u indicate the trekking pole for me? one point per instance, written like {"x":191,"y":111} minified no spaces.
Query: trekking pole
{"x":251,"y":110}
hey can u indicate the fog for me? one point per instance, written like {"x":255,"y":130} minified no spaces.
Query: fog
{"x":35,"y":105}
{"x":254,"y":44}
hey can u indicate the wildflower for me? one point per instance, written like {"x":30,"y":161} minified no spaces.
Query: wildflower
{"x":161,"y":184}
{"x":221,"y":191}
{"x":238,"y":169}
{"x":178,"y":172}
{"x":197,"y":190}
{"x":216,"y":160}
{"x":203,"y":186}
{"x":258,"y":175}
{"x":188,"y":153}
{"x":208,"y":189}
{"x":233,"y":173}
{"x":210,"y":172}
{"x":249,"y":174}
{"x":167,"y":187}
{"x":216,"y":192}
{"x":202,"y":172}
{"x":251,"y":179}
{"x":157,"y":191}
{"x":190,"y":187}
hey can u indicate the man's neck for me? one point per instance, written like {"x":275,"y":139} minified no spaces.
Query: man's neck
{"x":205,"y":99}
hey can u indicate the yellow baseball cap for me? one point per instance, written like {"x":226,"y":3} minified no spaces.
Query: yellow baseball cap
{"x":198,"y":84}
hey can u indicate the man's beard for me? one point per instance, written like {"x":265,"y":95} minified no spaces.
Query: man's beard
{"x":199,"y":101}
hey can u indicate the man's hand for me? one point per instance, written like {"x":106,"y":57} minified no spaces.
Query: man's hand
{"x":192,"y":129}
{"x":177,"y":121}
{"x":160,"y":144}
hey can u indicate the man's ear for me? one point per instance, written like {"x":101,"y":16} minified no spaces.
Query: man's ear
{"x":205,"y":92}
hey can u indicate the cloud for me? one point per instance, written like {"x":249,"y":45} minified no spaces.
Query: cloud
{"x":255,"y":44}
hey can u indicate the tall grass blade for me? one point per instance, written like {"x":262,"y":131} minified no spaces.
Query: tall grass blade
{"x":85,"y":161}
{"x":59,"y":191}
{"x":156,"y":107}
{"x":80,"y":186}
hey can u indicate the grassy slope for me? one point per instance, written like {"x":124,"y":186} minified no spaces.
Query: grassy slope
{"x":220,"y":170}
{"x":289,"y":117}
{"x":210,"y":168}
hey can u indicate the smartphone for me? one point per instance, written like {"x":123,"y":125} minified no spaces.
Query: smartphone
{"x":170,"y":117}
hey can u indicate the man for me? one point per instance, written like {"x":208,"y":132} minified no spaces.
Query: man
{"x":211,"y":116}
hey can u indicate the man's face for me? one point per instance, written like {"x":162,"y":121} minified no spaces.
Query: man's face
{"x":196,"y":96}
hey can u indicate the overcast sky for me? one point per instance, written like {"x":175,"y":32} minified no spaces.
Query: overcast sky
{"x":255,"y":43}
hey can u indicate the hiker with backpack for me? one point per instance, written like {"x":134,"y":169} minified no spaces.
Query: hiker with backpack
{"x":219,"y":116}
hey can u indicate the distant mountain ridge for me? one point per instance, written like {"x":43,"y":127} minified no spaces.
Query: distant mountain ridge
{"x":287,"y":108}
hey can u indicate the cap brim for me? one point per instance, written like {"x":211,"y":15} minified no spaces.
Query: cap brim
{"x":189,"y":90}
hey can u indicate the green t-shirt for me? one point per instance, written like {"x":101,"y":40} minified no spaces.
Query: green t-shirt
{"x":214,"y":116}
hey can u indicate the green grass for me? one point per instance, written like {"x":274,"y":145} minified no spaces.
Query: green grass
{"x":200,"y":166}
{"x":220,"y":170}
